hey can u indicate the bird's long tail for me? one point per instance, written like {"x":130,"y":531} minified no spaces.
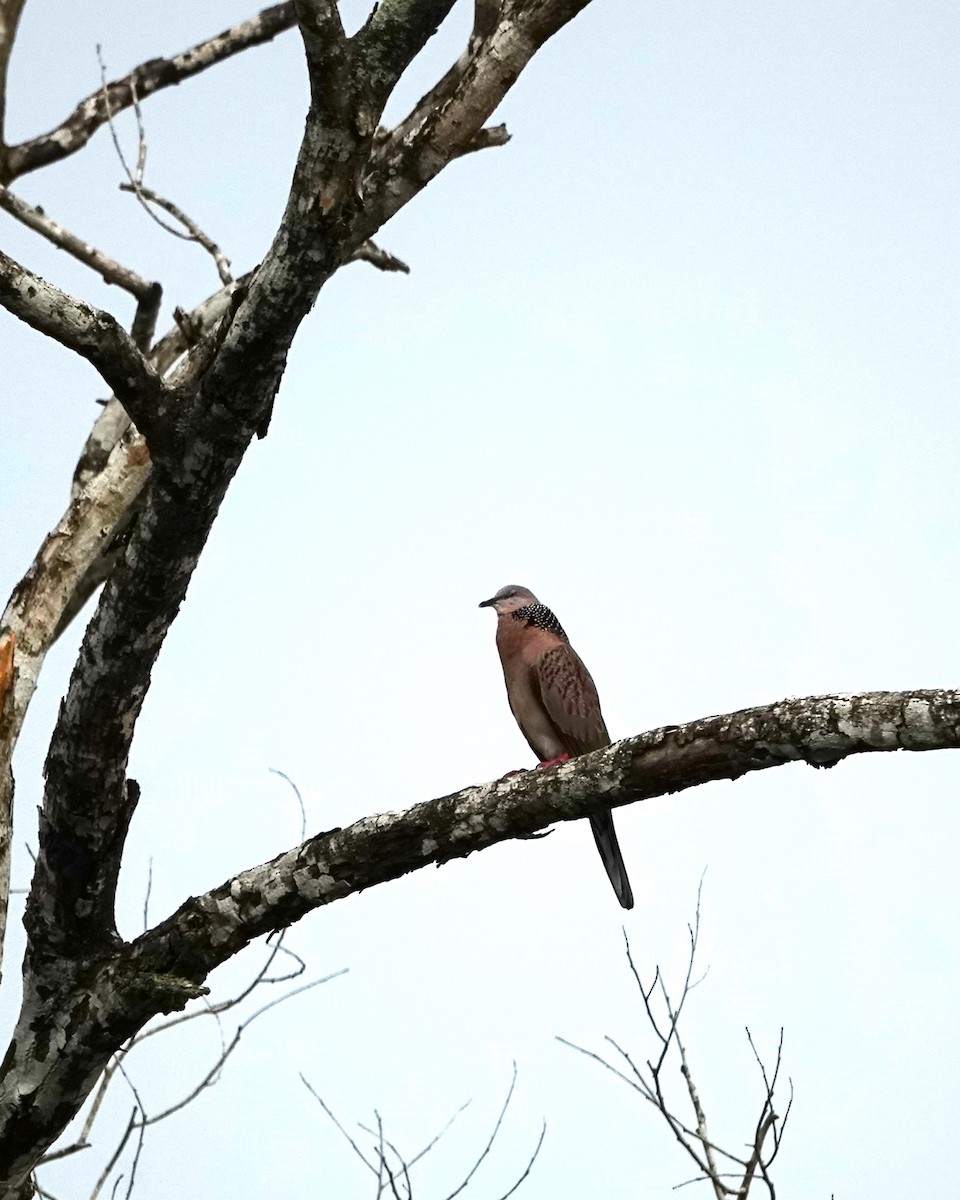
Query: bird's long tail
{"x":606,"y":838}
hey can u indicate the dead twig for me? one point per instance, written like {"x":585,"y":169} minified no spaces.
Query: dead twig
{"x":141,"y":1119}
{"x":649,"y":1081}
{"x":193,"y":231}
{"x":190,"y":231}
{"x":493,"y":1137}
{"x":390,"y":1178}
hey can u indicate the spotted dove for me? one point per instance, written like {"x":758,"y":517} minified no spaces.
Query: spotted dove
{"x":554,"y":701}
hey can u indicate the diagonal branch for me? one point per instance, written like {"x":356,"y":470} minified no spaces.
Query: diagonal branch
{"x":75,"y":131}
{"x":93,"y":334}
{"x":114,"y":989}
{"x":449,"y":121}
{"x":110,"y":270}
{"x":819,"y":730}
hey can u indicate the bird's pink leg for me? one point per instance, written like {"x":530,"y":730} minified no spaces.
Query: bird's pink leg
{"x":550,"y":762}
{"x":553,"y":762}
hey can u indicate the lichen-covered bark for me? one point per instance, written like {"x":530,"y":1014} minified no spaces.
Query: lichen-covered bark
{"x":75,"y":131}
{"x":818,"y":730}
{"x":85,"y":991}
{"x":93,"y":334}
{"x":78,"y":554}
{"x":89,"y":1003}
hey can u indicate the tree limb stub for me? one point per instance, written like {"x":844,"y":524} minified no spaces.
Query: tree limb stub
{"x":818,"y":730}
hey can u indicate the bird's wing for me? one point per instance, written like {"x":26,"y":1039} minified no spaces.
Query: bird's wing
{"x":570,"y":699}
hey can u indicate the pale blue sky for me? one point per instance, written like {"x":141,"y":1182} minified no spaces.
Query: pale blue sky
{"x":682,"y":358}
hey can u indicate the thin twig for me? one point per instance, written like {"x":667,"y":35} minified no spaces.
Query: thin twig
{"x":385,"y":1166}
{"x":65,"y":1152}
{"x":356,"y":1149}
{"x":142,"y":1133}
{"x":296,"y":792}
{"x":381,"y":1161}
{"x":147,"y":196}
{"x":529,"y":1166}
{"x":41,"y":1192}
{"x":430,"y":1145}
{"x":703,"y":1179}
{"x":695,"y":1141}
{"x":496,"y":1129}
{"x":146,"y":895}
{"x":194,"y":232}
{"x":105,"y":1173}
{"x":211,"y":1078}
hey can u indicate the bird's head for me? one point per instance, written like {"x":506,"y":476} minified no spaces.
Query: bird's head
{"x":509,"y":599}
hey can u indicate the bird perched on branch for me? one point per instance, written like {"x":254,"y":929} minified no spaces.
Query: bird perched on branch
{"x":554,"y":701}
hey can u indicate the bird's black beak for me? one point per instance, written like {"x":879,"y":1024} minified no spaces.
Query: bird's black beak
{"x":486,"y":604}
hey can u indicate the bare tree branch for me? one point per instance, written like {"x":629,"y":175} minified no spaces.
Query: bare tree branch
{"x":449,"y":120}
{"x":819,"y":730}
{"x":10,"y":13}
{"x":493,"y":1137}
{"x":120,"y":1064}
{"x":190,"y":231}
{"x":696,"y":1142}
{"x":111,"y":271}
{"x":76,"y":130}
{"x":193,"y":231}
{"x":382,"y":1144}
{"x":529,"y":1167}
{"x":91,"y":333}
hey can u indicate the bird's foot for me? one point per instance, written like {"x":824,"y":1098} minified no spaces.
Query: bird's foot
{"x":554,"y":762}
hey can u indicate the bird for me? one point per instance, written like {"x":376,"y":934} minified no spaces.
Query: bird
{"x":554,"y":701}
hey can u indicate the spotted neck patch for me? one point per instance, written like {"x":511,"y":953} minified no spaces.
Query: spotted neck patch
{"x":538,"y":616}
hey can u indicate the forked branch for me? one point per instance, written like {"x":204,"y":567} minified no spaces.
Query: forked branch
{"x":729,"y":1175}
{"x":393,"y":1169}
